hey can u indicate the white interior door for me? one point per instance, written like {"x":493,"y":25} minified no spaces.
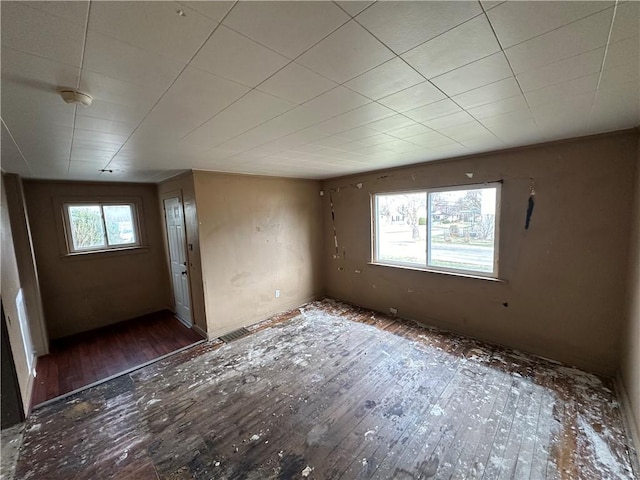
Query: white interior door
{"x":174,"y":219}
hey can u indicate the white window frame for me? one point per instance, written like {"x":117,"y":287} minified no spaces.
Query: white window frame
{"x":106,"y":247}
{"x":426,"y":267}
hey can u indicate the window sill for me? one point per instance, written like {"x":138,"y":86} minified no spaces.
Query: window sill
{"x":439,"y":272}
{"x":111,"y":252}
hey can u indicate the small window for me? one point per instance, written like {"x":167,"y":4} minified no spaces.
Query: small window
{"x":452,"y":229}
{"x":100,"y":226}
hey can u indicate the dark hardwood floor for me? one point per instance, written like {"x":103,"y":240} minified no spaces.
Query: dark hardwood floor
{"x":331,"y":391}
{"x":85,"y":358}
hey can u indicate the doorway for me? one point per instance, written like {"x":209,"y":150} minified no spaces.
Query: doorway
{"x":174,"y":220}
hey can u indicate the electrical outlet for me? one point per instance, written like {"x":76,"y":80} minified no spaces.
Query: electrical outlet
{"x":277,"y":293}
{"x":393,"y":311}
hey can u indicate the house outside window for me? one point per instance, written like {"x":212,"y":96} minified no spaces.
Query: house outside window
{"x":449,"y":229}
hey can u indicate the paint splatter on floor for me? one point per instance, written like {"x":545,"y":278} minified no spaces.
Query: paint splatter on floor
{"x":333,"y":391}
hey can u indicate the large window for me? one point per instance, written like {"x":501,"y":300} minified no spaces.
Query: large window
{"x":452,"y":229}
{"x":100,"y":226}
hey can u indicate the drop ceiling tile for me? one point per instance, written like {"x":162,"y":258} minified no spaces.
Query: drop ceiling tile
{"x":359,"y":133}
{"x":616,"y":109}
{"x":12,"y":160}
{"x":515,"y":22}
{"x":516,"y":131}
{"x":94,"y":145}
{"x":627,"y":21}
{"x":289,"y":28}
{"x":430,"y":139}
{"x":489,"y":4}
{"x":433,"y":110}
{"x":32,"y":75}
{"x":83,"y":154}
{"x":410,"y":131}
{"x":467,"y":132}
{"x":498,"y":107}
{"x":476,"y":74}
{"x":615,"y":77}
{"x":386,"y":79}
{"x":106,"y":88}
{"x":131,"y":113}
{"x":101,"y":137}
{"x":397,"y":145}
{"x":296,"y":139}
{"x":346,"y":53}
{"x":562,"y":71}
{"x":559,"y":92}
{"x":248,"y":112}
{"x":307,"y":148}
{"x":33,"y":31}
{"x":176,"y":114}
{"x":458,"y":118}
{"x":623,"y":53}
{"x":296,"y":119}
{"x":336,"y":101}
{"x":116,"y":59}
{"x":354,"y":7}
{"x":573,"y":39}
{"x":235,"y":57}
{"x":359,"y":116}
{"x":214,"y":10}
{"x":402,"y":146}
{"x":451,"y":150}
{"x":152,"y":26}
{"x":488,"y":93}
{"x":332,"y":141}
{"x":84,"y":170}
{"x":503,"y":121}
{"x":459,"y":46}
{"x":404,"y":25}
{"x":72,"y":11}
{"x":392,"y":122}
{"x":410,"y":98}
{"x":379,"y":139}
{"x":101,"y":125}
{"x":296,"y":84}
{"x":571,"y":110}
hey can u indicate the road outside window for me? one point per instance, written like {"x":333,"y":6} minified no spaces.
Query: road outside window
{"x":453,"y":229}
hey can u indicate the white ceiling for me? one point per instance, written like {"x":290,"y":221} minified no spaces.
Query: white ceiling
{"x":305,"y":89}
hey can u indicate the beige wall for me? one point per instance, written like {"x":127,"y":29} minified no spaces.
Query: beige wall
{"x":182,"y":186}
{"x":9,"y":289}
{"x":257,"y":234}
{"x":563,"y":277}
{"x":630,"y":366}
{"x":83,"y":292}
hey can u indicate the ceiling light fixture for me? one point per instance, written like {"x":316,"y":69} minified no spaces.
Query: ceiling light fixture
{"x":181,"y":13}
{"x":76,"y":97}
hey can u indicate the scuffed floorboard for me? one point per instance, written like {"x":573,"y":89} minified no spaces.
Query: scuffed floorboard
{"x":331,"y":391}
{"x":11,"y":439}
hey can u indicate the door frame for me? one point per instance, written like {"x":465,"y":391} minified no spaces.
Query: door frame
{"x":165,"y":196}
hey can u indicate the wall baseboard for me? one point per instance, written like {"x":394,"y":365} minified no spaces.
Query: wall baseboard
{"x":199,"y":331}
{"x":262,"y":317}
{"x":629,"y":422}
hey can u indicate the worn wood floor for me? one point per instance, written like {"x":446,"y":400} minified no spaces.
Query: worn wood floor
{"x":336,"y":392}
{"x":85,"y":358}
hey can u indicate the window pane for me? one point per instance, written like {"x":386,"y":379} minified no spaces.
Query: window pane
{"x":463,"y":224}
{"x":401,"y":224}
{"x":119,"y":222}
{"x":86,"y":226}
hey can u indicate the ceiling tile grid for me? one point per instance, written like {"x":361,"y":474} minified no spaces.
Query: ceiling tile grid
{"x":305,"y":89}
